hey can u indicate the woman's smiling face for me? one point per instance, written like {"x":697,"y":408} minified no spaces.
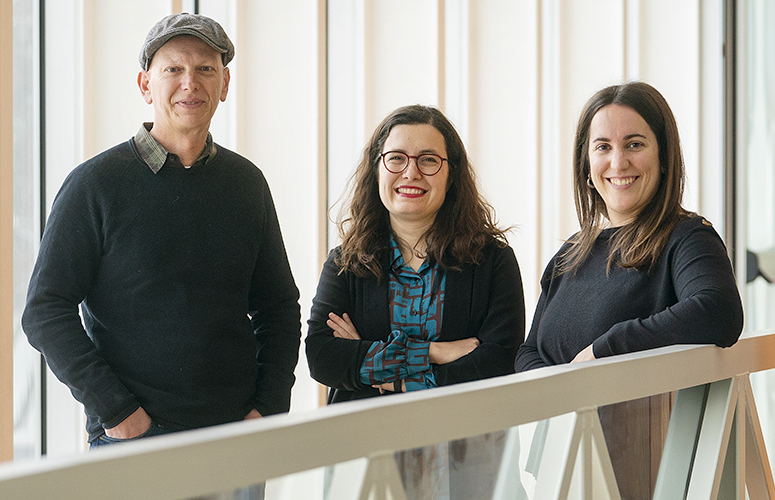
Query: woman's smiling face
{"x":623,"y":162}
{"x":411,"y":197}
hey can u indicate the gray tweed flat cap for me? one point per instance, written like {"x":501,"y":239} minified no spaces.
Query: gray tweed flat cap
{"x":186,"y":24}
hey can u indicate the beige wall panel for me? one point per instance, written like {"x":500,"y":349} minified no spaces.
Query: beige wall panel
{"x":503,"y":139}
{"x":277,"y":120}
{"x":400,"y":56}
{"x":113,"y":106}
{"x":670,"y":59}
{"x":591,"y":44}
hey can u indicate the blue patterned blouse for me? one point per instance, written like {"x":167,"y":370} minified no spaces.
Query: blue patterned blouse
{"x":416,"y":307}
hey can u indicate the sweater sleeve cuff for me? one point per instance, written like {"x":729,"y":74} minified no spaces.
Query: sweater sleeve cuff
{"x":601,"y":349}
{"x":109,"y":424}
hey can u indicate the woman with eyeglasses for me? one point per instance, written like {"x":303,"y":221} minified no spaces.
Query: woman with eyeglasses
{"x":424,"y":290}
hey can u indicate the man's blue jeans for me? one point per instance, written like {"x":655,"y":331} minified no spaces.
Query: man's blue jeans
{"x":153,"y":430}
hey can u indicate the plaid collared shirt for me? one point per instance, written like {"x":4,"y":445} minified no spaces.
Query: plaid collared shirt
{"x":155,"y":156}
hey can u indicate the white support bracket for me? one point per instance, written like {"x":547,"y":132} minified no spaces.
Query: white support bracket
{"x":375,"y":478}
{"x":562,"y":475}
{"x":714,"y":447}
{"x":382,"y":479}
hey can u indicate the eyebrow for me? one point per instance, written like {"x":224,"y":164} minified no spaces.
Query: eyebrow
{"x":626,"y":137}
{"x":421,"y":152}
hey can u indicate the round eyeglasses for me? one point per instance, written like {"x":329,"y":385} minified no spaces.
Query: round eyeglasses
{"x":428,"y":164}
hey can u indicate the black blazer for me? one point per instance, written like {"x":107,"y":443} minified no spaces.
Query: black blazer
{"x":484,"y":301}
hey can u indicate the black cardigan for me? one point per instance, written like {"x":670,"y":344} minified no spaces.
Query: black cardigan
{"x":484,"y":301}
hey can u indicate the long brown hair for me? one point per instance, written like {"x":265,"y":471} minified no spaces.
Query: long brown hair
{"x":463,"y":226}
{"x":639,"y":243}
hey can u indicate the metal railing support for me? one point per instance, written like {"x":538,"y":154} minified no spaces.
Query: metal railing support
{"x":382,"y":479}
{"x":680,"y":443}
{"x":758,"y":473}
{"x":562,"y":475}
{"x":714,"y":447}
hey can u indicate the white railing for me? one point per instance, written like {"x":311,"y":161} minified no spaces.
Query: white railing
{"x":714,"y":396}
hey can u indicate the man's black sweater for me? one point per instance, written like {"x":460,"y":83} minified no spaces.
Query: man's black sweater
{"x":188,"y":302}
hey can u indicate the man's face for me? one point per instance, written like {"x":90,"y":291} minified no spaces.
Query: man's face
{"x":185,"y":82}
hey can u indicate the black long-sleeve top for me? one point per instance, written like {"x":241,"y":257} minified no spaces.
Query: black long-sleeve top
{"x":689,"y":297}
{"x":484,"y":301}
{"x":189,"y":306}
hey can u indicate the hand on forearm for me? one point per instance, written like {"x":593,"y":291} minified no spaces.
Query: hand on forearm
{"x":132,"y":426}
{"x":446,"y":352}
{"x":253,"y":414}
{"x":587,"y":354}
{"x":342,"y":326}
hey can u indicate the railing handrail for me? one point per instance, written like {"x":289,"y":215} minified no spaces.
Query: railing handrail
{"x":233,"y":455}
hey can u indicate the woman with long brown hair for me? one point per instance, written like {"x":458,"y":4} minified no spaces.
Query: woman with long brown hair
{"x":642,"y":272}
{"x":415,"y":209}
{"x":424,"y":291}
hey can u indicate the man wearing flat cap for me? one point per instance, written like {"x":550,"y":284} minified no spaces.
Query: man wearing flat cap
{"x":170,"y":245}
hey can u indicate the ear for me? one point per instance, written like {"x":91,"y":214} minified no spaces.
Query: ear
{"x":143,"y":80}
{"x":226,"y":79}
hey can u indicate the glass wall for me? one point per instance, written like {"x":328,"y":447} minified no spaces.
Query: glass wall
{"x":758,"y":143}
{"x":26,"y":227}
{"x":756,"y":175}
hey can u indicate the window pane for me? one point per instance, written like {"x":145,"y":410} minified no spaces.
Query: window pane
{"x":26,"y":229}
{"x":759,"y":116}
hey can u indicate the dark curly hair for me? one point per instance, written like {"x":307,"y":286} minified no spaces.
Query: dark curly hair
{"x":463,"y":226}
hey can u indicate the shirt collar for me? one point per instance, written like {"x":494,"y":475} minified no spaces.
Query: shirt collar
{"x":155,"y":156}
{"x":397,"y":259}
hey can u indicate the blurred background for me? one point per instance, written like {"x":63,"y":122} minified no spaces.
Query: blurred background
{"x":312,"y":78}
